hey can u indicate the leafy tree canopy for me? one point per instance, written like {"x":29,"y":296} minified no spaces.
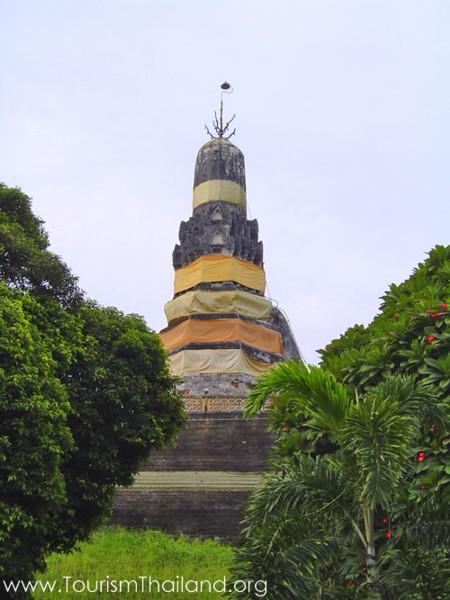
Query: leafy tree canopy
{"x":26,"y":262}
{"x":410,"y":334}
{"x":85,"y":394}
{"x":356,"y":504}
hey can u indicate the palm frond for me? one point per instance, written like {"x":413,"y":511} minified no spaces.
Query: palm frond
{"x":415,"y":398}
{"x":312,"y":484}
{"x":379,"y":438}
{"x":314,"y":392}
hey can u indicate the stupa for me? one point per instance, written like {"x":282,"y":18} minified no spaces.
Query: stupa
{"x":223,"y":332}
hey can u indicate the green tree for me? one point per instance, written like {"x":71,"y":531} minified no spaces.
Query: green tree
{"x":85,"y":394}
{"x":409,"y":335}
{"x":26,"y":262}
{"x":357,"y":501}
{"x":34,"y":436}
{"x":344,"y":519}
{"x":123,"y":403}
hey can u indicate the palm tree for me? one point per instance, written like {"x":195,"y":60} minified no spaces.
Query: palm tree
{"x":345,"y":481}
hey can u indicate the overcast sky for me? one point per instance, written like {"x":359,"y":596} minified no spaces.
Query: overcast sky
{"x":342,"y":114}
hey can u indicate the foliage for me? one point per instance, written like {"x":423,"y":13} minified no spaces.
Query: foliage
{"x":33,"y":436}
{"x":339,"y":522}
{"x":85,"y":394}
{"x":26,"y":262}
{"x":410,"y":335}
{"x":357,"y":501}
{"x":123,"y":402}
{"x":127,"y":555}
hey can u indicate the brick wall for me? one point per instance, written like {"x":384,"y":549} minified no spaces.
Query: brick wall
{"x":212,"y":441}
{"x":194,"y":513}
{"x":217,"y":442}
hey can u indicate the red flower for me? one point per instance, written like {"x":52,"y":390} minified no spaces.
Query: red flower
{"x":385,"y":520}
{"x":443,"y":306}
{"x":421,"y":456}
{"x":388,"y":534}
{"x":430,"y":339}
{"x":285,"y":427}
{"x":436,"y":314}
{"x":349,"y":581}
{"x":434,"y":426}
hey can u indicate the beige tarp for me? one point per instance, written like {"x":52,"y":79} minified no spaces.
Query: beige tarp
{"x":218,"y":268}
{"x":202,"y":331}
{"x":216,"y":361}
{"x":219,"y":189}
{"x":224,"y":301}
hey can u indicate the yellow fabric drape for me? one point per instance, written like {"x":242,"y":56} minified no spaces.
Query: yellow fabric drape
{"x":217,"y":267}
{"x":219,"y":189}
{"x":222,"y":330}
{"x":216,"y":361}
{"x":216,"y":302}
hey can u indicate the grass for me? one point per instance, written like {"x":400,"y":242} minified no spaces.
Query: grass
{"x":122,"y":554}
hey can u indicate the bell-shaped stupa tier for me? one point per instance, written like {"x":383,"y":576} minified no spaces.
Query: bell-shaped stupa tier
{"x":222,"y":331}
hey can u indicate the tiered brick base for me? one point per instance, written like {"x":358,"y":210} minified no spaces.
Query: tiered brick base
{"x":218,"y":458}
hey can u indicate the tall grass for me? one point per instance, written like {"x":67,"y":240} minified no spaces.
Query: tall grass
{"x":121,"y":554}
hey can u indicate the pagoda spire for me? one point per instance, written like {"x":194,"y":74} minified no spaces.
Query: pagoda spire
{"x":218,"y":123}
{"x":222,"y":332}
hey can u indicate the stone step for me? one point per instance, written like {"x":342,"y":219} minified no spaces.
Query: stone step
{"x":194,"y":480}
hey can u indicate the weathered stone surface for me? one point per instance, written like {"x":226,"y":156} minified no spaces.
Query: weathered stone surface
{"x":197,"y":480}
{"x":214,"y":385}
{"x":220,"y":159}
{"x":281,"y":324}
{"x":231,"y":234}
{"x":213,"y":442}
{"x":195,"y":513}
{"x":217,"y":442}
{"x":222,"y":404}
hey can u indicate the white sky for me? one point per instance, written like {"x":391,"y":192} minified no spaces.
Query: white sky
{"x":342,"y":114}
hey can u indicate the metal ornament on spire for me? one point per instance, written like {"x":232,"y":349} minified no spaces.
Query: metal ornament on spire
{"x":218,"y":124}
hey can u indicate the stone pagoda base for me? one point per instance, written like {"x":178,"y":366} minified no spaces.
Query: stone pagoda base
{"x":215,"y":393}
{"x":200,"y":487}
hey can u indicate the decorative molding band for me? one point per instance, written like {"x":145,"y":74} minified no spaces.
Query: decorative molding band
{"x":219,"y":189}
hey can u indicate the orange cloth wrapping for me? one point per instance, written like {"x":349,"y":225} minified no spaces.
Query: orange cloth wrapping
{"x":217,"y":267}
{"x":220,"y":360}
{"x":202,"y":331}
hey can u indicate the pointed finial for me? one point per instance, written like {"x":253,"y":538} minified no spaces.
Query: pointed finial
{"x":219,"y":127}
